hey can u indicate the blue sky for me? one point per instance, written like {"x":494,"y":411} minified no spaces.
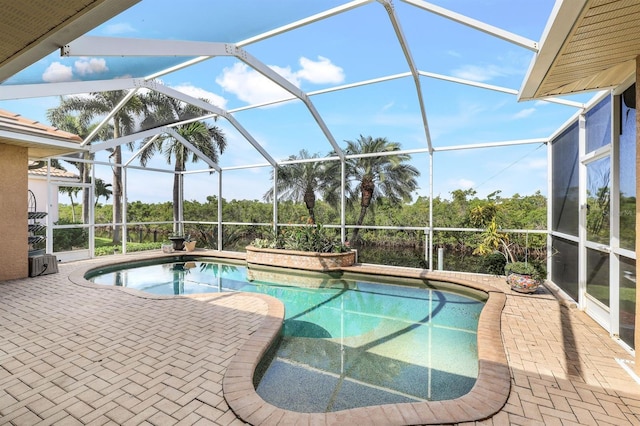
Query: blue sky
{"x":354,"y":46}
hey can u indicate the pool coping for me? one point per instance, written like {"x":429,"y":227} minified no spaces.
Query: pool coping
{"x":488,"y":395}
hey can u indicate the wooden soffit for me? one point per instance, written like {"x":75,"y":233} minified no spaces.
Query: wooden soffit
{"x":587,"y":45}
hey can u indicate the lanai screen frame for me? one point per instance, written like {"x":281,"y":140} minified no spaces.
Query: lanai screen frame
{"x":202,"y":51}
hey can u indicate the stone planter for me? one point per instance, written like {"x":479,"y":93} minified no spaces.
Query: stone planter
{"x":522,"y":283}
{"x":310,"y":261}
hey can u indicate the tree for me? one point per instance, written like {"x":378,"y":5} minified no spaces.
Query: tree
{"x":300,"y":181}
{"x":372,"y":177}
{"x":71,"y":191}
{"x":98,"y":104}
{"x":101,"y":189}
{"x":209,"y":140}
{"x":72,"y":124}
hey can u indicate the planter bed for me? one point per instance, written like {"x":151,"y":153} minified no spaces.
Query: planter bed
{"x":310,"y":261}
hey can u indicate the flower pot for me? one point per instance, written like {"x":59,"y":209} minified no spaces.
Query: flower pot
{"x":178,"y":242}
{"x":189,"y":245}
{"x":522,"y":283}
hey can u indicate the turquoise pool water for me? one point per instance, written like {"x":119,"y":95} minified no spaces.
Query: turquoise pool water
{"x":347,"y":341}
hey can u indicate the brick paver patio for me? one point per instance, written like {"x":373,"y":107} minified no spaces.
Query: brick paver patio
{"x":72,"y":354}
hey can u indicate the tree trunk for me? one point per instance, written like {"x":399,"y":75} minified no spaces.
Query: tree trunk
{"x":366,"y":193}
{"x":310,"y":202}
{"x":73,"y":208}
{"x":117,"y":197}
{"x":117,"y":186}
{"x":356,"y":230}
{"x":86,"y":192}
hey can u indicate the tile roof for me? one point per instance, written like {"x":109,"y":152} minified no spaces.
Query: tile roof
{"x":16,"y":123}
{"x":54,"y":171}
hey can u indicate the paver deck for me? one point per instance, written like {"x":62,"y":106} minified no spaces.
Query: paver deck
{"x":74,"y":354}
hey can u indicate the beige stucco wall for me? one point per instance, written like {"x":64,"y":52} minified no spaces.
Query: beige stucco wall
{"x":13,"y":212}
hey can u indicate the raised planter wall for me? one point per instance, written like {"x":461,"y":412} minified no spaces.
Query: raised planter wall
{"x":310,"y":261}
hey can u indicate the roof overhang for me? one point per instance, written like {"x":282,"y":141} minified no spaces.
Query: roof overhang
{"x":30,"y":30}
{"x":587,"y":45}
{"x":42,"y":141}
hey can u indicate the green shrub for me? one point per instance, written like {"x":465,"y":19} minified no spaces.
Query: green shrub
{"x":131,"y":248}
{"x":69,"y":238}
{"x":494,"y":263}
{"x":314,"y":238}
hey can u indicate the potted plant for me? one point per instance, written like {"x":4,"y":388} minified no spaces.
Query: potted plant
{"x":189,"y":244}
{"x":523,"y":277}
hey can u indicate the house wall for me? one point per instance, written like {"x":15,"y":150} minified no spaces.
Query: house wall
{"x":38,"y":185}
{"x":13,"y":212}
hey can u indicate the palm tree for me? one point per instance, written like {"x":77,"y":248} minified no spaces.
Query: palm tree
{"x":71,"y":191}
{"x":372,"y":177}
{"x":210,"y":140}
{"x":300,"y":182}
{"x":99,"y":104}
{"x":70,"y":123}
{"x":101,"y":189}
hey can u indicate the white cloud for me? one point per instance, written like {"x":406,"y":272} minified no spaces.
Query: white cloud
{"x":56,"y":72}
{"x":464,"y":183}
{"x":200,"y":93}
{"x":321,"y":71}
{"x":251,"y":87}
{"x":248,"y":85}
{"x":286,"y":72}
{"x":478,"y":73}
{"x":524,"y":113}
{"x":86,"y":66}
{"x":119,"y":28}
{"x":388,"y":106}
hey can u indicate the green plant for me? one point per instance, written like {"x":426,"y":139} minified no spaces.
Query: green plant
{"x":65,"y":239}
{"x":535,"y":270}
{"x":494,"y":263}
{"x":314,"y":238}
{"x":131,"y":247}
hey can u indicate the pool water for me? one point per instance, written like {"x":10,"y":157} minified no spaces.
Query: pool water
{"x":346,"y":342}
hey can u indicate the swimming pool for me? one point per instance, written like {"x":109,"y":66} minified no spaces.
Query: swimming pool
{"x":348,"y":340}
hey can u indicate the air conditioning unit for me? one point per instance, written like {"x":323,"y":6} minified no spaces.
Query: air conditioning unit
{"x":43,"y":265}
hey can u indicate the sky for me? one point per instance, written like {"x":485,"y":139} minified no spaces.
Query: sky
{"x":355,"y":46}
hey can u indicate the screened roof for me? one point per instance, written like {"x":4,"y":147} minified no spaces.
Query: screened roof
{"x":288,"y":75}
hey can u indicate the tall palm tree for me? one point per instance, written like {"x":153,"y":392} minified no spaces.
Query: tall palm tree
{"x":100,"y":104}
{"x":71,"y":191}
{"x":372,"y":177}
{"x":300,"y":181}
{"x":101,"y":189}
{"x":210,"y":140}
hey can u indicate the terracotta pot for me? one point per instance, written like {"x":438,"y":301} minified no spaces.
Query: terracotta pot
{"x":189,"y":245}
